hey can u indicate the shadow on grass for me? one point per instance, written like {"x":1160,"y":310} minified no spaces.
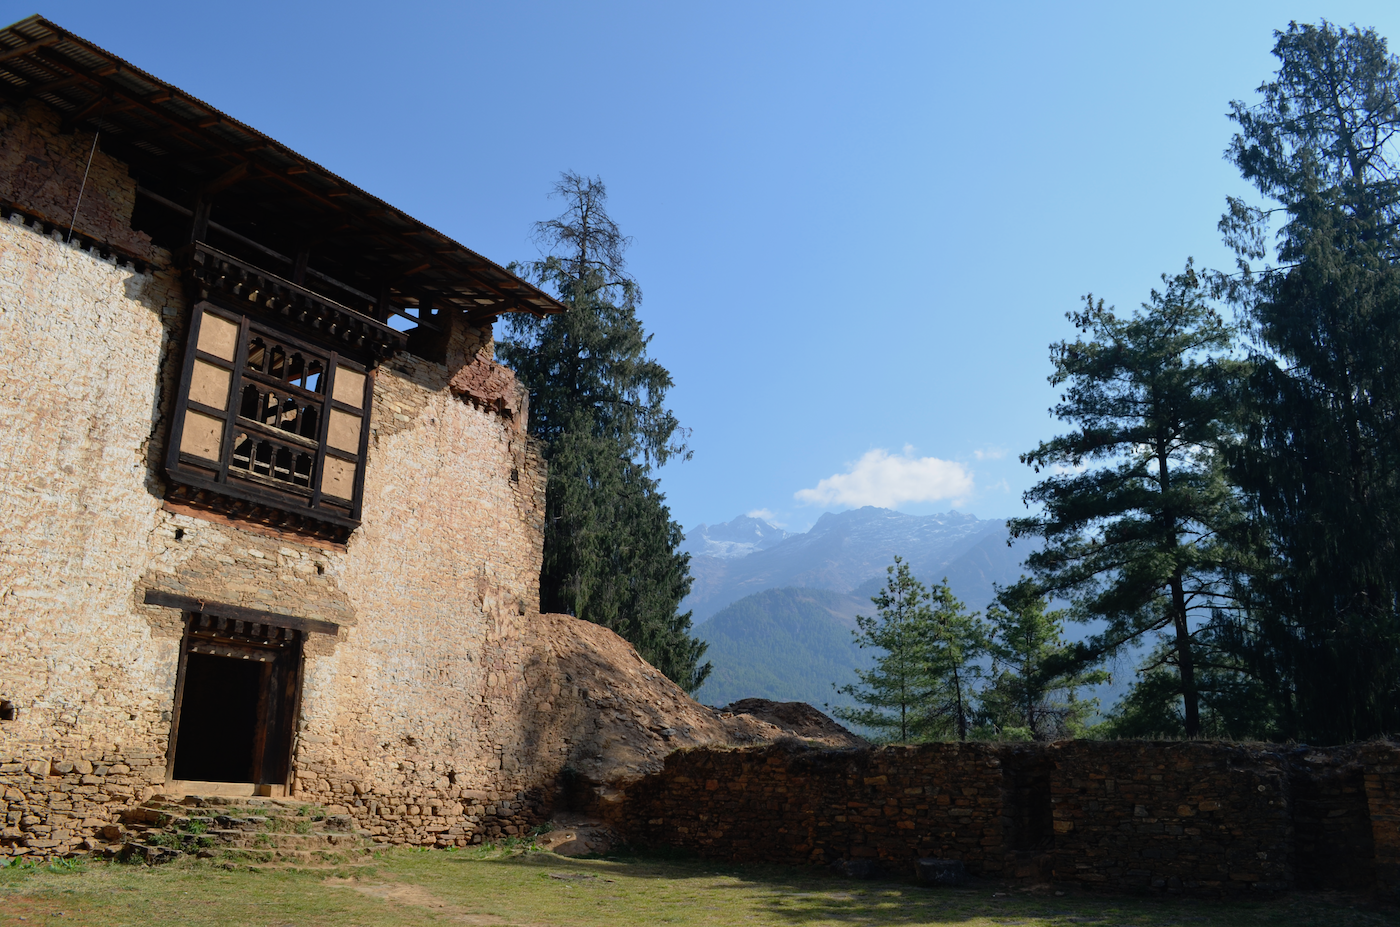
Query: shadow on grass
{"x":802,"y":896}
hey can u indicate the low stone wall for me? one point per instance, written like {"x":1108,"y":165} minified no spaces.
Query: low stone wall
{"x":1381,"y":777}
{"x":1176,"y":816}
{"x":1194,"y":818}
{"x":792,"y":805}
{"x":55,"y":808}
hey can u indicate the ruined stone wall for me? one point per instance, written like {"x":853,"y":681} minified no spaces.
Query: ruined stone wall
{"x":421,"y":716}
{"x":1196,"y":818}
{"x":1170,"y":816}
{"x":1380,"y":767}
{"x":794,"y":805}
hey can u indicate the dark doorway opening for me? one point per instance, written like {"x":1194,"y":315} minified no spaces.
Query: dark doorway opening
{"x":219,"y":719}
{"x":235,"y":702}
{"x":1032,"y":814}
{"x":1029,"y":814}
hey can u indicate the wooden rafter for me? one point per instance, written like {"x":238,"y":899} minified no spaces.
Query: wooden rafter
{"x":28,"y":47}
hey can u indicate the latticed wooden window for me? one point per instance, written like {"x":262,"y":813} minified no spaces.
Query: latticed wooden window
{"x":270,"y":421}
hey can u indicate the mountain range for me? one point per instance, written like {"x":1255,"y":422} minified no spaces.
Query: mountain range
{"x":778,"y":609}
{"x":848,"y":553}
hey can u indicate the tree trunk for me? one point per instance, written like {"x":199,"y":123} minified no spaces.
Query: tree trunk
{"x":962,"y":715}
{"x":1185,"y":664}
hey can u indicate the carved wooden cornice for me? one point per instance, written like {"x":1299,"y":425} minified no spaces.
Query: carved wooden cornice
{"x":215,"y":273}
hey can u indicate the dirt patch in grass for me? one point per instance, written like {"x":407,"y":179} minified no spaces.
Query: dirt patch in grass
{"x":406,"y":893}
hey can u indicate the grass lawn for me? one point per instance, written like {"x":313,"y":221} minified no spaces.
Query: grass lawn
{"x":504,"y":887}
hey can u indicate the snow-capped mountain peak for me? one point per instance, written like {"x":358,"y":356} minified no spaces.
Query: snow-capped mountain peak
{"x":737,"y":538}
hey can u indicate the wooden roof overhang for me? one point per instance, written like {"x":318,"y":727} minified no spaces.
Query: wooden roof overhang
{"x":332,"y":237}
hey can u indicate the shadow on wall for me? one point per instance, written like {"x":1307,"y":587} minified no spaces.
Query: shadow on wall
{"x":1193,"y":818}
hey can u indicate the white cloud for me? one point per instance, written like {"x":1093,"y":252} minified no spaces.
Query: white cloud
{"x":887,"y":480}
{"x":990,"y":453}
{"x":767,"y":515}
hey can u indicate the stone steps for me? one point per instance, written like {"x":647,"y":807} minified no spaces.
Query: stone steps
{"x":237,"y":830}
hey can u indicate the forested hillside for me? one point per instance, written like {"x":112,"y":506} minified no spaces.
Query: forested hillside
{"x":787,"y":644}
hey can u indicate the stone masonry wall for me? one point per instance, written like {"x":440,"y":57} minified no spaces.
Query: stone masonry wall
{"x":794,"y":805}
{"x":1381,"y":777}
{"x":1196,"y":818}
{"x":430,"y":699}
{"x":1193,"y":816}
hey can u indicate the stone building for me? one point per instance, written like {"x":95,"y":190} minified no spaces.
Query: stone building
{"x":270,"y":520}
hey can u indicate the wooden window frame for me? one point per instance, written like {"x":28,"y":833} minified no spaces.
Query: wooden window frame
{"x":217,"y":481}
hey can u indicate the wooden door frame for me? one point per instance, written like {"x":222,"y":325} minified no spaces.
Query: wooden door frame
{"x":278,"y":709}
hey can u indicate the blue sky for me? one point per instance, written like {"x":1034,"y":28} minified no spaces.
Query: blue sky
{"x":857,"y":226}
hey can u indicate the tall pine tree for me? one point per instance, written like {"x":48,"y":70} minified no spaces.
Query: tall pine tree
{"x":1321,"y":456}
{"x":597,"y":401}
{"x":958,"y":641}
{"x":896,"y":693}
{"x":1134,"y":501}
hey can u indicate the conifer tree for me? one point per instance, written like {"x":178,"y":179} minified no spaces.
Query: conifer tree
{"x":959,"y":639}
{"x":1320,"y":459}
{"x":1035,"y":674}
{"x":922,"y":686}
{"x":897,"y":691}
{"x":1134,"y":503}
{"x":1235,"y":702}
{"x":597,"y":402}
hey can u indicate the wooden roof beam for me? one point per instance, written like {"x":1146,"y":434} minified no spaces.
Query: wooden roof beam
{"x":118,"y":91}
{"x":97,"y":103}
{"x":227,"y":179}
{"x":476,"y":267}
{"x":55,"y":85}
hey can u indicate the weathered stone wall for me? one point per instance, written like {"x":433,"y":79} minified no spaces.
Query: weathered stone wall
{"x":794,"y":805}
{"x":1198,"y":818}
{"x":81,"y":342}
{"x":1192,"y":816}
{"x":421,"y":716}
{"x":1380,"y":767}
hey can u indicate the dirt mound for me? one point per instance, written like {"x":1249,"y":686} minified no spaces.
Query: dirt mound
{"x":798,"y":719}
{"x":620,"y":717}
